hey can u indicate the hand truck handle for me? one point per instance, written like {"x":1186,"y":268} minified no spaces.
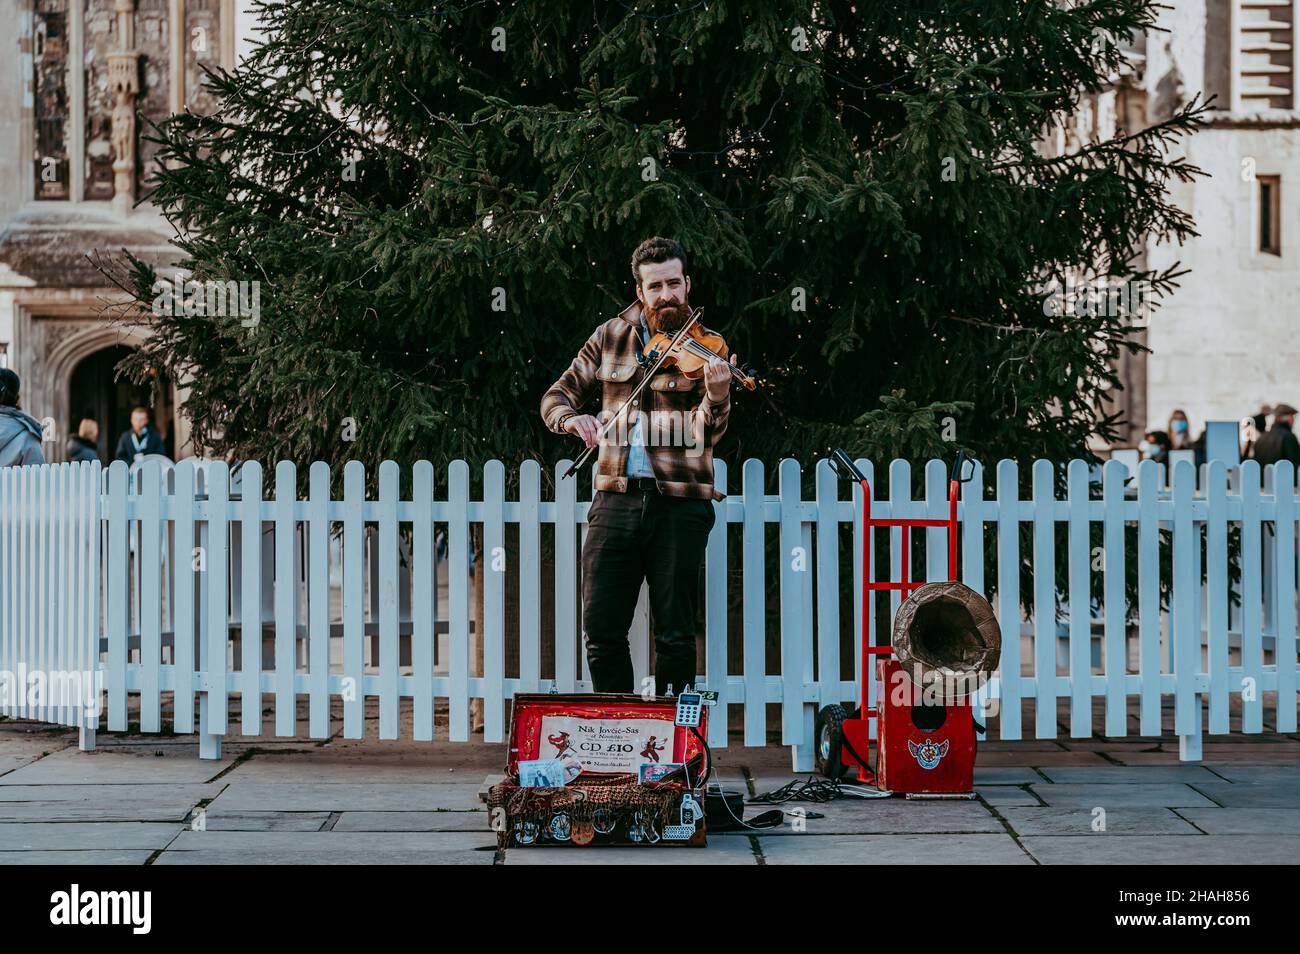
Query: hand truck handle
{"x":958,"y":467}
{"x":844,"y":467}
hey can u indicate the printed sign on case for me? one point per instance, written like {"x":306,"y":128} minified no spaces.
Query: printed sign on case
{"x":607,"y":745}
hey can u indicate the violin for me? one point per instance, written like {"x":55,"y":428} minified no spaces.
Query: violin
{"x":692,"y":352}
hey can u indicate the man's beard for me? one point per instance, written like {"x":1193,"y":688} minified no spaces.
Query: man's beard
{"x":669,"y":319}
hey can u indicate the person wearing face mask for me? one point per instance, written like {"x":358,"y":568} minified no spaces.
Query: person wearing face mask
{"x":1179,"y":431}
{"x":1155,"y":446}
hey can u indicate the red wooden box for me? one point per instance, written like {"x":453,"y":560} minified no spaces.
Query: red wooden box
{"x":918,"y":756}
{"x":611,"y":735}
{"x":539,"y":720}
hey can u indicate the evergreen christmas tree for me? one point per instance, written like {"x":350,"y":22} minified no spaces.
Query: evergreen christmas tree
{"x":439,"y":202}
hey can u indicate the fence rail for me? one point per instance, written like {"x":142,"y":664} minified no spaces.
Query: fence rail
{"x":190,"y":584}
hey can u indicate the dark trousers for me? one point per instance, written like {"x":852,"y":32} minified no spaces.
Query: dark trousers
{"x":635,"y":536}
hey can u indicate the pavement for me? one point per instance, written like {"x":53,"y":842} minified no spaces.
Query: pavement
{"x":141,"y":800}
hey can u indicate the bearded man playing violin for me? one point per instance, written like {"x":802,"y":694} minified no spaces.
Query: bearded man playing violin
{"x":653,"y":509}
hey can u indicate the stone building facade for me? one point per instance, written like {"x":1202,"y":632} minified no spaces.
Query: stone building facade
{"x":74,"y":166}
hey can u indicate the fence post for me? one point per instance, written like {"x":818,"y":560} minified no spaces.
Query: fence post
{"x":389,"y":640}
{"x":250,"y":607}
{"x":493,"y":637}
{"x":793,"y":566}
{"x":1252,"y":637}
{"x":715,"y":612}
{"x":458,"y":597}
{"x":1216,"y":584}
{"x":972,"y":566}
{"x":286,"y":600}
{"x":1149,"y":597}
{"x":1079,"y":594}
{"x":754,"y":603}
{"x":828,"y":586}
{"x":1044,"y":484}
{"x":1284,"y":646}
{"x":1114,"y":604}
{"x":318,"y":599}
{"x":355,"y":569}
{"x":89,"y":584}
{"x":1186,"y":634}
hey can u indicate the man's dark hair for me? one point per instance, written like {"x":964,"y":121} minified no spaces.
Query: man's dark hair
{"x":655,"y":250}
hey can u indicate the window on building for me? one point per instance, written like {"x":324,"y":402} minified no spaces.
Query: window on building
{"x":74,"y":46}
{"x":50,"y":60}
{"x":1270,"y":208}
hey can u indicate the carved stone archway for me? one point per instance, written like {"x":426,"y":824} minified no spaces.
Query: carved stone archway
{"x":64,"y":352}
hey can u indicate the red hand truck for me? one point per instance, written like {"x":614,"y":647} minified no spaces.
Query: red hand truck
{"x":843,"y":738}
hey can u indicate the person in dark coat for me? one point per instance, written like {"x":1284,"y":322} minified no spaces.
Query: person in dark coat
{"x":84,"y":445}
{"x":20,"y":433}
{"x":140,"y":440}
{"x":1280,"y":442}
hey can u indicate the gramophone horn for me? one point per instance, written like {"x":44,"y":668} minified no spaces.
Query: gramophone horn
{"x":946,"y":633}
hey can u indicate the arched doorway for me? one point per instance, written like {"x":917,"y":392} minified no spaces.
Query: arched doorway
{"x":95,"y":391}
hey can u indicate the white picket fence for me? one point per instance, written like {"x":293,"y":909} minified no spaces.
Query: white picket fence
{"x":49,"y":592}
{"x":187,"y":561}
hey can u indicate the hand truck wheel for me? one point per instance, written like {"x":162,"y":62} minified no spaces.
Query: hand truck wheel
{"x":830,"y":741}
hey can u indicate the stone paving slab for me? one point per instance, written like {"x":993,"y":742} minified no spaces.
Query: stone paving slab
{"x":881,"y":816}
{"x":159,"y":809}
{"x":330,"y":847}
{"x":73,"y":767}
{"x":9,"y":763}
{"x":1120,"y":795}
{"x":218,"y":819}
{"x":79,"y":836}
{"x":1244,"y":821}
{"x":78,"y":858}
{"x":476,"y":821}
{"x":1118,"y":774}
{"x":293,"y":796}
{"x":1005,"y":775}
{"x":1163,"y":850}
{"x":101,"y":803}
{"x":1006,"y":795}
{"x":1020,"y":759}
{"x":990,"y":849}
{"x":1251,"y":795}
{"x":1078,"y":821}
{"x":1257,"y":773}
{"x":721,"y":850}
{"x":106,"y":793}
{"x":330,"y":766}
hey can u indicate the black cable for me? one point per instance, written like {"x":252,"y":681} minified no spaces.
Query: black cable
{"x":708,"y":758}
{"x":811,"y":789}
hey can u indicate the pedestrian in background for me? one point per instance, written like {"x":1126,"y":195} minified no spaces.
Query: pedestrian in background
{"x":1155,"y":446}
{"x":1280,"y":442}
{"x":84,"y":445}
{"x":1179,"y":431}
{"x":20,"y":433}
{"x":140,"y":440}
{"x":1257,"y":424}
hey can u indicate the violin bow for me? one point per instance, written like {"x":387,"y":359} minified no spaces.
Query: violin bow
{"x":577,"y":464}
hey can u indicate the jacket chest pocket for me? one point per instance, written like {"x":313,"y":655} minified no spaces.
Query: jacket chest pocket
{"x":674,"y":389}
{"x":616,"y":379}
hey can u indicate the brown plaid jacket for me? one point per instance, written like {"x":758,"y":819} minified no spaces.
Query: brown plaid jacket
{"x":680,"y":425}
